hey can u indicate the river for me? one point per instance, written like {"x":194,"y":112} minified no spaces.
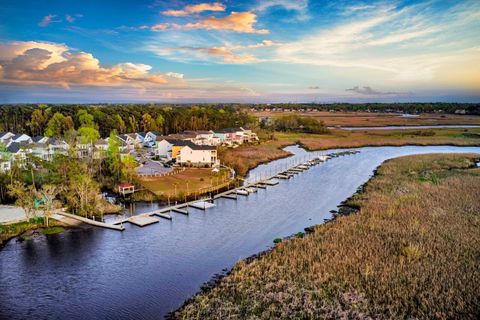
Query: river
{"x":439,"y":126}
{"x":143,"y":273}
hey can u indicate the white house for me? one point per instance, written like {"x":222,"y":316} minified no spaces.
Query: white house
{"x":198,"y":156}
{"x":129,"y":140}
{"x":5,"y":165}
{"x":100,"y":149}
{"x":5,"y":137}
{"x":150,"y":138}
{"x":21,"y":137}
{"x":163,"y":147}
{"x":140,"y":137}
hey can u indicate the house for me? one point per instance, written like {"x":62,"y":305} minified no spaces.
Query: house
{"x":18,"y":151}
{"x":150,"y":138}
{"x":39,"y":139}
{"x":126,"y":188}
{"x":198,"y":156}
{"x":5,"y":164}
{"x":230,"y":136}
{"x":21,"y":137}
{"x":5,"y":137}
{"x":100,"y":148}
{"x":140,"y":137}
{"x":129,"y":140}
{"x":49,"y":148}
{"x":164,"y":145}
{"x":203,"y":137}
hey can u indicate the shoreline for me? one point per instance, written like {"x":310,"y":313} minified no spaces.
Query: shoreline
{"x":345,"y":208}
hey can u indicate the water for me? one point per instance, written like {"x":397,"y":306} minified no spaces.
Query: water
{"x":440,"y":126}
{"x":143,"y":273}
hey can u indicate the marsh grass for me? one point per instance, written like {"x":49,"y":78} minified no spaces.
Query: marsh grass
{"x":412,"y":252}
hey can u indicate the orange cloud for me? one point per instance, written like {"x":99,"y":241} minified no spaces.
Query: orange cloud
{"x":217,"y":6}
{"x":236,"y":21}
{"x":41,"y":63}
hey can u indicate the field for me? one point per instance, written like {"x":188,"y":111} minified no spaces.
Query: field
{"x":366,"y":119}
{"x":189,"y":183}
{"x":411,"y":252}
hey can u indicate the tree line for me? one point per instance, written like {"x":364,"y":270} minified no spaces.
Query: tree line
{"x":58,"y":120}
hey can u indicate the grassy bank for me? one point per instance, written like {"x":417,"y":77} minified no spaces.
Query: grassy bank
{"x":248,"y":157}
{"x":412,"y":251}
{"x":9,"y":231}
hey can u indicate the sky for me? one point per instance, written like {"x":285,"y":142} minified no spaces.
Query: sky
{"x":239,"y":51}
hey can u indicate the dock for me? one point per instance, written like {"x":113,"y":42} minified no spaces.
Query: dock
{"x":111,"y":226}
{"x":148,"y":218}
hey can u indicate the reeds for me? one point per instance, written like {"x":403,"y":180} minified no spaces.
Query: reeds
{"x":412,"y":251}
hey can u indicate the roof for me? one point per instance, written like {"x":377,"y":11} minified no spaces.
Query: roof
{"x":228,"y":130}
{"x":155,"y":133}
{"x":2,"y":134}
{"x":101,"y":141}
{"x":13,"y":147}
{"x":125,"y":185}
{"x":38,"y":138}
{"x":194,"y":146}
{"x":141,"y":134}
{"x":196,"y":132}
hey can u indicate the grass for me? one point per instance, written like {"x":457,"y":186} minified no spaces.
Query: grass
{"x":411,"y":252}
{"x":190,"y":182}
{"x":9,"y":231}
{"x":52,"y":230}
{"x":365,"y":119}
{"x":247,"y":157}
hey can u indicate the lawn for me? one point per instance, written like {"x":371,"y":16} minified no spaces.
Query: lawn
{"x":411,"y":252}
{"x":187,"y":183}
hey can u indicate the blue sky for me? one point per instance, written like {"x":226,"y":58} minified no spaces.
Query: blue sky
{"x":239,"y":51}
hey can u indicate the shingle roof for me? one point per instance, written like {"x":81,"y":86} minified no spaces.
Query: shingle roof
{"x":13,"y":147}
{"x":38,"y":138}
{"x":194,"y":146}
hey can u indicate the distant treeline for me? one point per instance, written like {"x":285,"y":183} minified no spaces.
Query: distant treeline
{"x":35,"y":119}
{"x":467,"y":108}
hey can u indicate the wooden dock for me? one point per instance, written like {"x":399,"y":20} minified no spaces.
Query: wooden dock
{"x":90,"y":221}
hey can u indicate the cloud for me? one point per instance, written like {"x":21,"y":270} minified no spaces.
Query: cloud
{"x":52,"y":64}
{"x":197,"y":8}
{"x":366,"y":90}
{"x":241,"y":22}
{"x":299,"y":6}
{"x":47,"y":20}
{"x":236,"y":54}
{"x":72,"y":18}
{"x":174,"y":75}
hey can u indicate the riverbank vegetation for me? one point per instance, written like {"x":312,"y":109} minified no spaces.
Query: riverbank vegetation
{"x":9,"y":231}
{"x":374,"y":119}
{"x":411,"y":251}
{"x":248,"y":157}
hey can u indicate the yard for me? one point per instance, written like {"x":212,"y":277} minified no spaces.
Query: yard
{"x":187,"y":183}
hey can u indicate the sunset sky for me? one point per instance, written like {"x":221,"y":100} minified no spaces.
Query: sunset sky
{"x":239,"y":51}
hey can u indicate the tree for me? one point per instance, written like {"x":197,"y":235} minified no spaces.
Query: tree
{"x":24,"y":196}
{"x":128,"y":168}
{"x":48,"y":193}
{"x":113,"y":156}
{"x":148,"y":123}
{"x":85,"y":119}
{"x":82,"y":193}
{"x":37,"y":122}
{"x":160,"y":121}
{"x":120,"y":124}
{"x":132,"y":124}
{"x":88,"y":135}
{"x":58,"y":125}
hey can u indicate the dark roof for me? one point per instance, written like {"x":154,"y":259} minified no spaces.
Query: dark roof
{"x":13,"y":147}
{"x":18,"y":135}
{"x":228,"y":130}
{"x":141,"y":134}
{"x":38,"y":138}
{"x":194,"y":146}
{"x":155,"y":133}
{"x":3,"y":133}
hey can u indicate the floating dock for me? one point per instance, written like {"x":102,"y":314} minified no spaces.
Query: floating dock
{"x":203,"y":205}
{"x":142,"y":220}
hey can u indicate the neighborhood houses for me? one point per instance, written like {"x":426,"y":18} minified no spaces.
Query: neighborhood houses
{"x":187,"y":148}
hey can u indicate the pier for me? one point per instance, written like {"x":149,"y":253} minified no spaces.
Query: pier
{"x":148,"y":218}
